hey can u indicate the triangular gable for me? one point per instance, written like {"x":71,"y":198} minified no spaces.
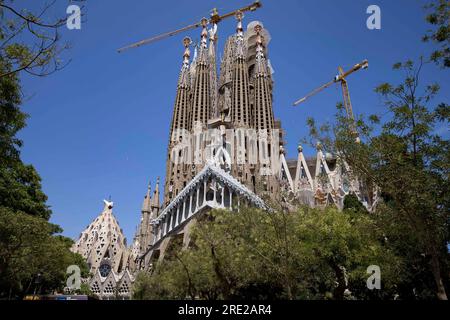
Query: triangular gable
{"x":285,"y":170}
{"x":302,"y":166}
{"x":211,"y":170}
{"x":321,"y":163}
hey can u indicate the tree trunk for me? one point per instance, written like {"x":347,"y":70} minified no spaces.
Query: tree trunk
{"x":288,"y":288}
{"x":226,"y":287}
{"x":341,"y":280}
{"x":435,"y":268}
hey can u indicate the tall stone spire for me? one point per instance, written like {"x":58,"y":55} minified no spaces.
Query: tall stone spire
{"x":155,"y":199}
{"x":201,"y":101}
{"x":143,"y":231}
{"x":213,"y":70}
{"x":180,"y":125}
{"x":263,"y":109}
{"x":181,"y":110}
{"x":193,"y":66}
{"x":225,"y":80}
{"x":240,"y":105}
{"x":146,"y":205}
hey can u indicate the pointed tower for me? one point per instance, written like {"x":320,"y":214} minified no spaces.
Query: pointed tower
{"x":263,"y":110}
{"x":225,"y":80}
{"x":181,"y":110}
{"x":155,"y":206}
{"x":150,"y":210}
{"x":192,"y":69}
{"x":213,"y":71}
{"x":240,"y":105}
{"x":179,"y":128}
{"x":103,"y":244}
{"x":144,"y":230}
{"x":201,"y":100}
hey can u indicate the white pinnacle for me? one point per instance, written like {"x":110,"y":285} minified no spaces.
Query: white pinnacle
{"x":108,"y":204}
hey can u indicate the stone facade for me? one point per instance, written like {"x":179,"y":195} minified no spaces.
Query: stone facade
{"x":238,"y":99}
{"x":241,"y":98}
{"x":104,"y":247}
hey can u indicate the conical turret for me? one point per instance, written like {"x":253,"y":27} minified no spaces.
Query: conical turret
{"x":240,"y":105}
{"x":103,"y":244}
{"x":144,"y":234}
{"x":181,"y":109}
{"x":146,"y":204}
{"x":181,"y":124}
{"x":201,"y":101}
{"x":213,"y":71}
{"x":155,"y":200}
{"x":263,"y":115}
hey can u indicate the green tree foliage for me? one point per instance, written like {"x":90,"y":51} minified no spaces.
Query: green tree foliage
{"x":143,"y":287}
{"x":30,"y":41}
{"x":27,"y":245}
{"x":32,"y":258}
{"x":20,"y":189}
{"x":12,"y":119}
{"x":439,"y":19}
{"x":254,"y":254}
{"x":409,"y":164}
{"x":352,"y":203}
{"x":28,"y":249}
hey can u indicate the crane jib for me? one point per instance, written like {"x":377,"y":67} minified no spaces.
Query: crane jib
{"x":215,"y":18}
{"x":339,"y":78}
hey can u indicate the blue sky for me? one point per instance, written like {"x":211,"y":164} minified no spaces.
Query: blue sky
{"x":100,"y":126}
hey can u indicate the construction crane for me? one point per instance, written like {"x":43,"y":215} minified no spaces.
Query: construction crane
{"x":214,"y":19}
{"x":339,"y":78}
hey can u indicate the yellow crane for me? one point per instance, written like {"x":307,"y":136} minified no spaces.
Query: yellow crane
{"x":345,"y":92}
{"x":214,"y":19}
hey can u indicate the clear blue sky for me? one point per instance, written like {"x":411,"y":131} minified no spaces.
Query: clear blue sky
{"x":100,"y":126}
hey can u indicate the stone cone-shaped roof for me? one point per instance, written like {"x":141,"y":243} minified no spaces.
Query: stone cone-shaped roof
{"x":103,"y":244}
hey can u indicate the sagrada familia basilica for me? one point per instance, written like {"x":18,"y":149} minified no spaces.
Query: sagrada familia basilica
{"x":225,"y":150}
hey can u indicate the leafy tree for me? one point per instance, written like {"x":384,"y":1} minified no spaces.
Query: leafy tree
{"x":143,"y":286}
{"x":351,"y":202}
{"x":29,"y":250}
{"x":20,"y":187}
{"x":30,"y":41}
{"x":254,"y":254}
{"x":85,"y":290}
{"x":12,"y":119}
{"x":421,"y":164}
{"x":408,"y":163}
{"x":440,"y":33}
{"x":21,"y":190}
